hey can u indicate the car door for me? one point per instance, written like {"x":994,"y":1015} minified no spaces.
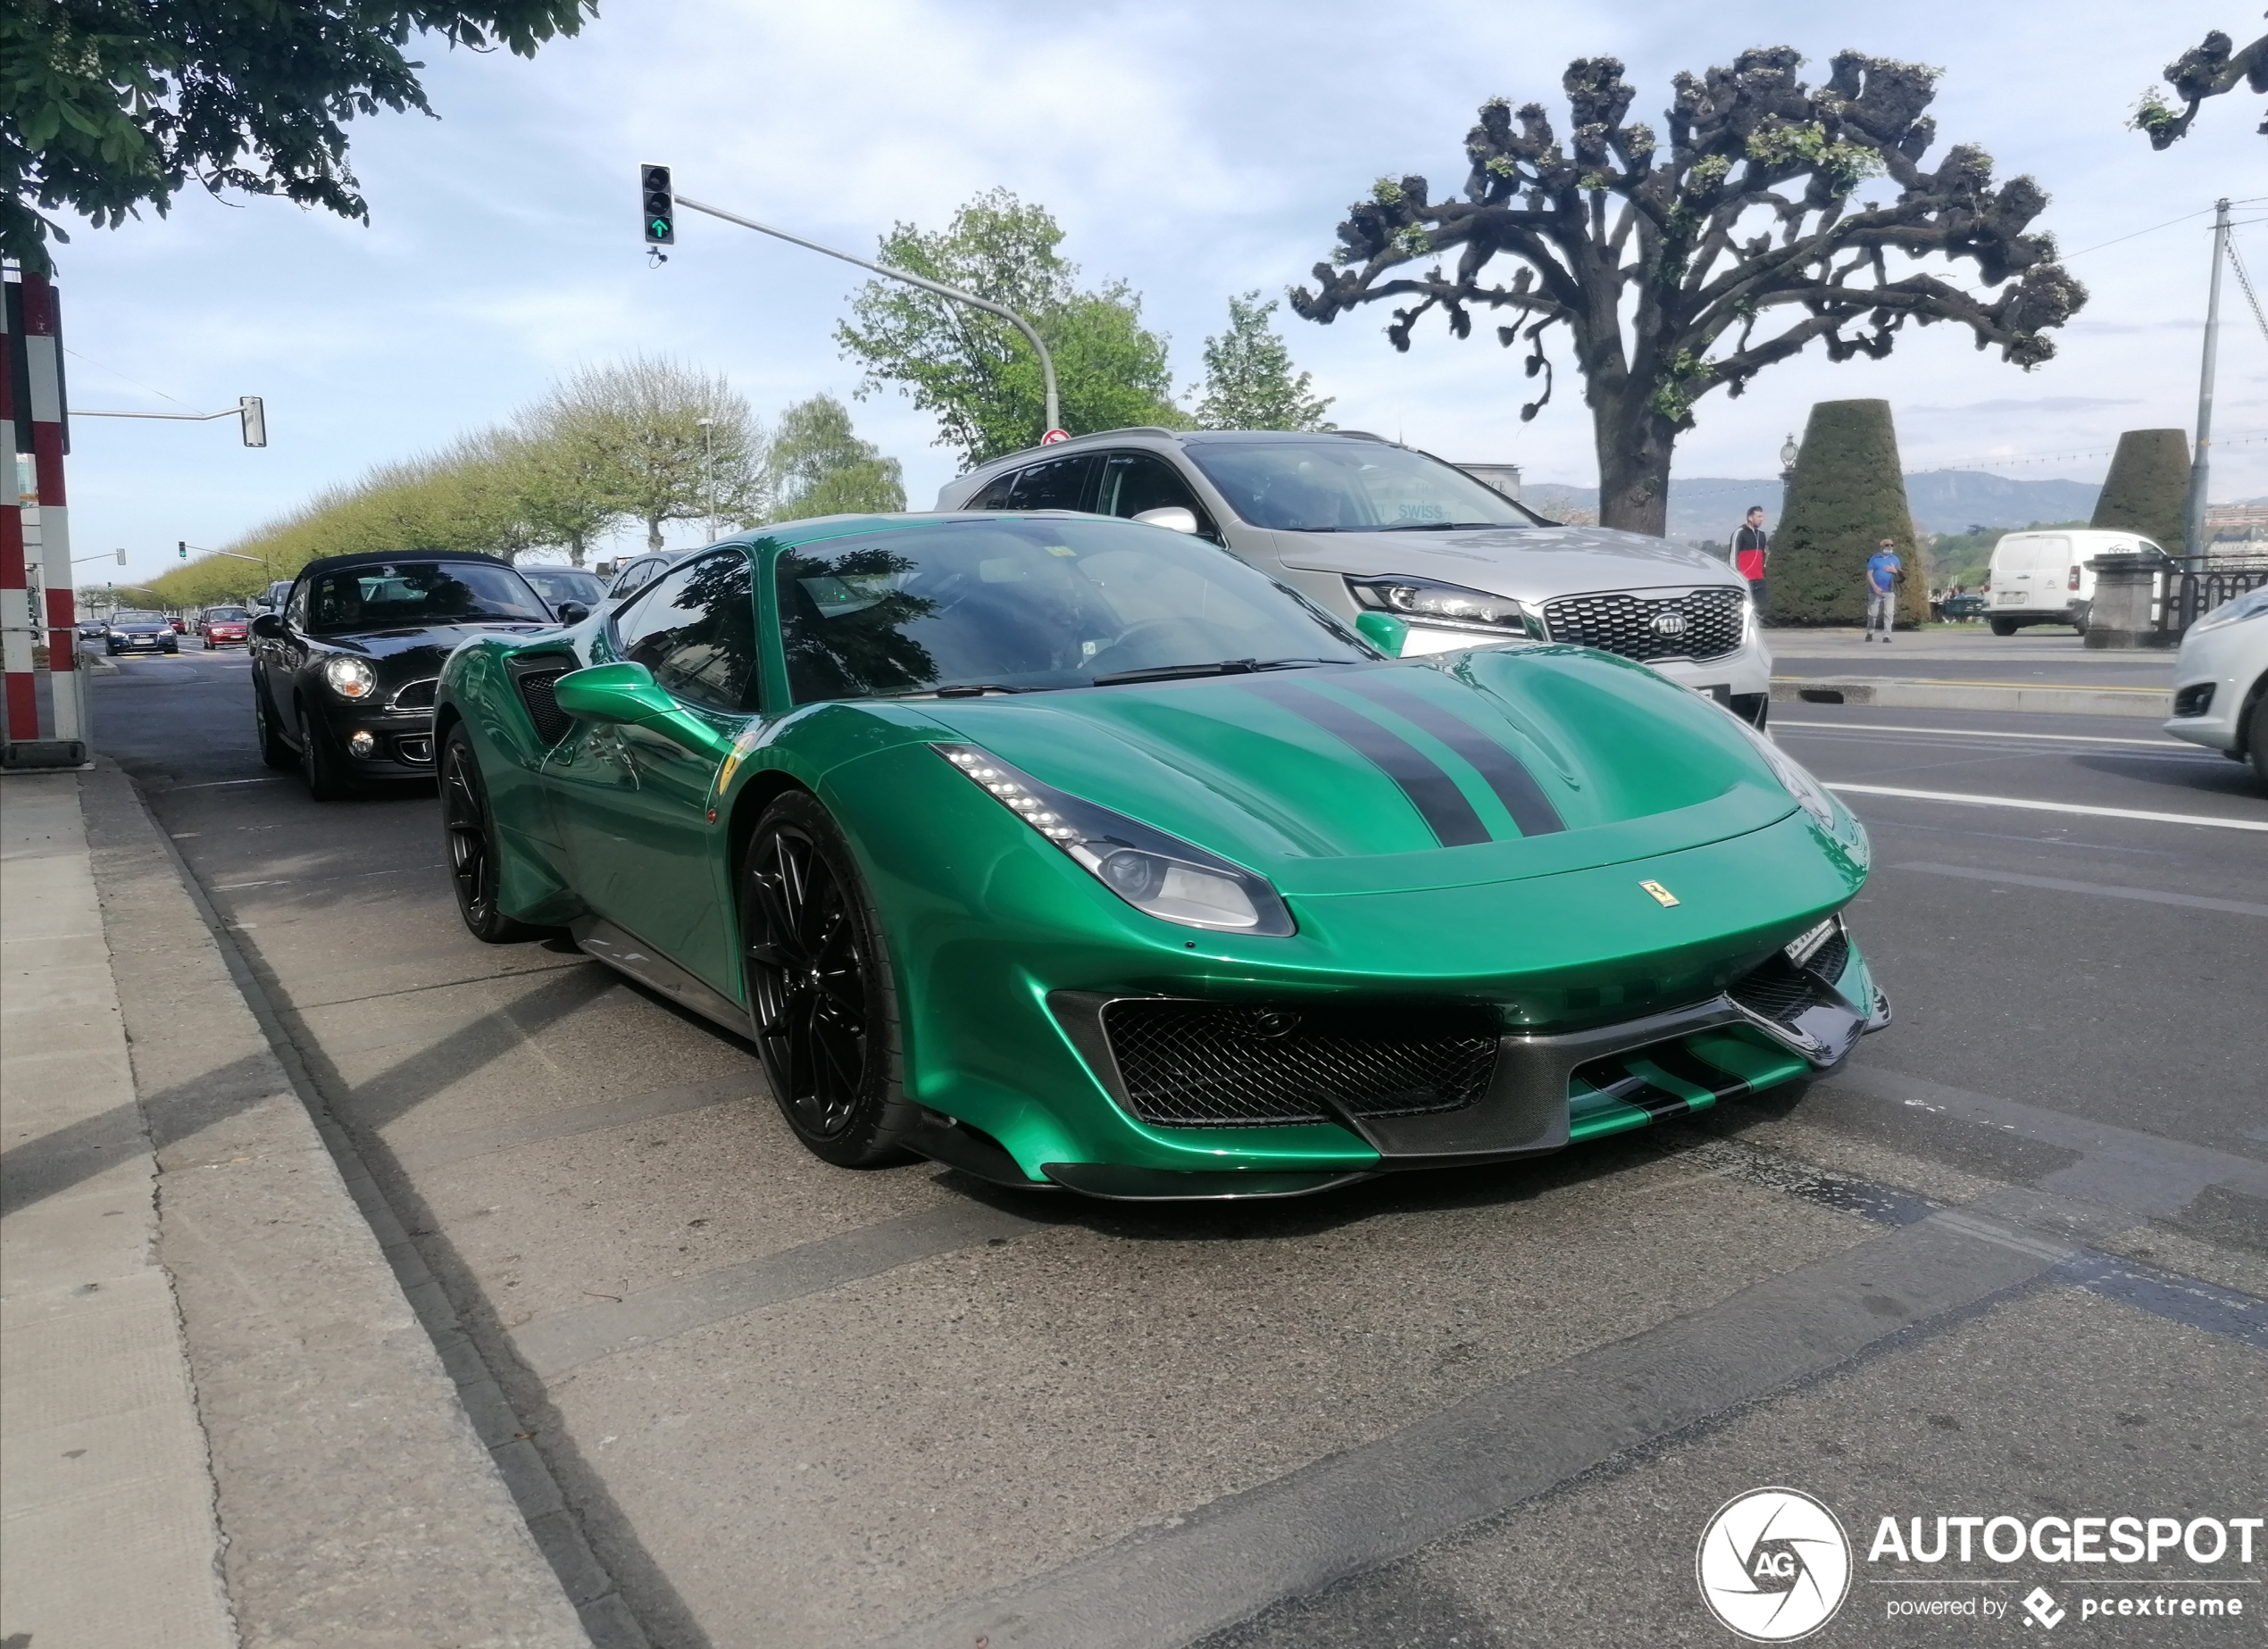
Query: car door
{"x":633,"y":800}
{"x":279,"y":668}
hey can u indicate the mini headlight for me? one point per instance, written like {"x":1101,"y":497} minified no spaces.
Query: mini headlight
{"x":350,"y":678}
{"x":1421,"y":601}
{"x":2251,"y":604}
{"x":1157,"y":874}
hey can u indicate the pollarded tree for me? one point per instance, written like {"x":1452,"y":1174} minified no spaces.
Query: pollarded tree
{"x":2205,"y":71}
{"x":1684,"y":266}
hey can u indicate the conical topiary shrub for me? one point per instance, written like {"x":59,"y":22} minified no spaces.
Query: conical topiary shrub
{"x":1847,"y":495}
{"x":2147,"y":489}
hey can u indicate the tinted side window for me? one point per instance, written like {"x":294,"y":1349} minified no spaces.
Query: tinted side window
{"x":995,"y":495}
{"x":1133,"y":482}
{"x":296,"y":615}
{"x":1060,"y":484}
{"x":696,"y":632}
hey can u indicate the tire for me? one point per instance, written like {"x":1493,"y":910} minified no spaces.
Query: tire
{"x":2004,"y":626}
{"x":818,"y":981}
{"x":468,"y":835}
{"x":273,"y":752}
{"x":2257,"y":741}
{"x":320,"y":764}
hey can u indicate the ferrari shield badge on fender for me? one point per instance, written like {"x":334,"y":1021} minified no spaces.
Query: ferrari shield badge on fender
{"x":1662,"y":896}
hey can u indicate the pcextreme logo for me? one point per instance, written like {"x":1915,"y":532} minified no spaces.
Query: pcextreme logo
{"x":1774,"y":1565}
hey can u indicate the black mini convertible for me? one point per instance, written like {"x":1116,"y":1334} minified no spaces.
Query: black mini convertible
{"x":343,"y":673}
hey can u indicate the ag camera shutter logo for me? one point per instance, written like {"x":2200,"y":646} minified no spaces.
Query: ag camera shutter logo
{"x":1774,"y":1565}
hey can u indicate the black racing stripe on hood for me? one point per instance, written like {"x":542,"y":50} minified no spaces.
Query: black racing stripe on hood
{"x":1514,"y":785}
{"x":1430,"y":789}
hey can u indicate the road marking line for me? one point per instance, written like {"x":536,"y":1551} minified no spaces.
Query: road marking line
{"x":1966,"y":732}
{"x":1947,"y":681}
{"x":215,"y":783}
{"x":2108,"y":890}
{"x":2052,"y":807}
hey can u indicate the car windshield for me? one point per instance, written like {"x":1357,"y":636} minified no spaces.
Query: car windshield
{"x":1348,"y":486}
{"x":558,"y":584}
{"x":1021,"y":604}
{"x":137,"y":618}
{"x":392,"y":595}
{"x":225,"y":615}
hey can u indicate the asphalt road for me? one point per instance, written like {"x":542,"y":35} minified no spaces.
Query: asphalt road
{"x":2049,"y":655}
{"x":2013,"y":1261}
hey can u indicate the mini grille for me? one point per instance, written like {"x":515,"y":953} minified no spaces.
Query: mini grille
{"x":1701,"y":625}
{"x":1199,"y":1065}
{"x":551,"y":723}
{"x":417,"y":696}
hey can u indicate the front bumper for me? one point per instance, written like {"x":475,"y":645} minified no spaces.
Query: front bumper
{"x":401,"y":742}
{"x":2213,"y":679}
{"x":1547,"y":1091}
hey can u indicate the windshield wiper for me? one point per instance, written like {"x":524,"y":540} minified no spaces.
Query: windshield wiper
{"x":974,"y":689}
{"x":1220,"y":667}
{"x":1445,"y":526}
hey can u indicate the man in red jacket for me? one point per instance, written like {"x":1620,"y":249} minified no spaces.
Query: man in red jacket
{"x":1751,"y":548}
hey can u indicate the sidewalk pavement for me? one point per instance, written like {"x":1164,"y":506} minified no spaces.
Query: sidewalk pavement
{"x":221,"y":1421}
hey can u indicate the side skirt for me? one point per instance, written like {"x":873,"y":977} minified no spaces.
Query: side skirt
{"x":627,"y":955}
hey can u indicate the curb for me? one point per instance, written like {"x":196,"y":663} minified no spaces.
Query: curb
{"x":358,"y":1503}
{"x":2157,"y":703}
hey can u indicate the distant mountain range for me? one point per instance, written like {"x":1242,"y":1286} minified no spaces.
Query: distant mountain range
{"x":1941,"y":500}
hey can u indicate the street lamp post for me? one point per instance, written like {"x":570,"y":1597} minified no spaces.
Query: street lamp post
{"x":709,"y":473}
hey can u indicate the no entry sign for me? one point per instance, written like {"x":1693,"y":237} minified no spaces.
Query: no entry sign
{"x":1053,"y":435}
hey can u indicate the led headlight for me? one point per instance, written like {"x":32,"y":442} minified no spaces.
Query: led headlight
{"x":1157,"y":874}
{"x":2251,"y":604}
{"x":1445,"y":606}
{"x":350,"y":678}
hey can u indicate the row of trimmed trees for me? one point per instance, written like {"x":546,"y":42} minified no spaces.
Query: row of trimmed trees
{"x":637,"y":445}
{"x":1849,"y":494}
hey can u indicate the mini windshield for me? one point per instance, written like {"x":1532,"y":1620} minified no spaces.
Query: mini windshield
{"x":1348,"y":486}
{"x":397,"y":595}
{"x":1020,"y":604}
{"x":139,"y":618}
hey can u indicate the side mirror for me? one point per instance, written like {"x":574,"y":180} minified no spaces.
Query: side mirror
{"x":572,"y":613}
{"x":615,"y":693}
{"x":1383,"y":631}
{"x":268,"y":627}
{"x":1172,"y":517}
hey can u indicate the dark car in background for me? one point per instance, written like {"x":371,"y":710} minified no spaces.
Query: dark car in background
{"x":137,"y":631}
{"x":563,"y":588}
{"x":272,"y":599}
{"x":634,"y":575}
{"x":224,"y":627}
{"x":92,"y":627}
{"x":342,"y":677}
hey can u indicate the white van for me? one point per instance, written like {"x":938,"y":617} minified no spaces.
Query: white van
{"x":2043,"y":577}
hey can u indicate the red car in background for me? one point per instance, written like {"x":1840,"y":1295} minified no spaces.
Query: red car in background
{"x":224,"y":627}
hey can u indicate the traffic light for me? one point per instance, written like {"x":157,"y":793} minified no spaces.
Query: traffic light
{"x":660,"y":206}
{"x":183,"y":548}
{"x":253,"y":412}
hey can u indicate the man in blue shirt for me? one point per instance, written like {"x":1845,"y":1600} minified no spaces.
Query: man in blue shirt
{"x":1882,"y":570}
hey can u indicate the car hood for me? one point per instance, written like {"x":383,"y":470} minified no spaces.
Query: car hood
{"x":1458,"y":769}
{"x":1531,"y":564}
{"x":405,"y":651}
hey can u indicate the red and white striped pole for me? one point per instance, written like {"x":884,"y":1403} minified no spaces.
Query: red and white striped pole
{"x":17,"y":620}
{"x":43,"y":347}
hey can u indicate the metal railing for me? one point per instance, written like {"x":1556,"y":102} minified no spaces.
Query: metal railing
{"x":2194,"y":585}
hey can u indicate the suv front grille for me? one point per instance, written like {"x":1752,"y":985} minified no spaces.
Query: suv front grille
{"x":1702,"y":625}
{"x":1204,"y":1064}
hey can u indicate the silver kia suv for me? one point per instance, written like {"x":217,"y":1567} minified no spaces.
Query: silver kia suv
{"x":1362,"y":524}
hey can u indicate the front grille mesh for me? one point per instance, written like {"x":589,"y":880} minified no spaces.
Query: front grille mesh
{"x":1200,"y":1064}
{"x":417,"y":696}
{"x":551,"y":722}
{"x":1778,"y":990}
{"x":1631,"y":625}
{"x":1832,"y":958}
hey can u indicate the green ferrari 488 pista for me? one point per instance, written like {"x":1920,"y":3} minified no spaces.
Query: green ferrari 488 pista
{"x":1075,"y":852}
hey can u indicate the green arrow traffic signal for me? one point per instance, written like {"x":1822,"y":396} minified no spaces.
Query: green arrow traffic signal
{"x":660,"y":206}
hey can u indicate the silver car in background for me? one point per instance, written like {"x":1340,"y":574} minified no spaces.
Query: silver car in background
{"x":1357,"y":523}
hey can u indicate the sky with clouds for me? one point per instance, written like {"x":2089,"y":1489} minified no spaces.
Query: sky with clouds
{"x":1194,"y":149}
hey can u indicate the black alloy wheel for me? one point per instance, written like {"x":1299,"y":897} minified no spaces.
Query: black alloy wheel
{"x":468,"y":832}
{"x":273,"y":752}
{"x":320,"y":764}
{"x":819,"y":987}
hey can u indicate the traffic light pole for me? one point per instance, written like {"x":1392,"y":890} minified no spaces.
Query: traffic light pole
{"x":1047,"y":362}
{"x":2201,"y":466}
{"x":251,"y":409}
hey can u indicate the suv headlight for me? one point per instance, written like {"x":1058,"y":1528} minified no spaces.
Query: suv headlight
{"x":1159,"y":875}
{"x":350,"y":678}
{"x":1447,"y":606}
{"x":2251,"y":604}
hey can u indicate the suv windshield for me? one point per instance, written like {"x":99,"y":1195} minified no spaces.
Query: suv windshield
{"x":1348,"y":486}
{"x":392,"y":595}
{"x":1018,"y":605}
